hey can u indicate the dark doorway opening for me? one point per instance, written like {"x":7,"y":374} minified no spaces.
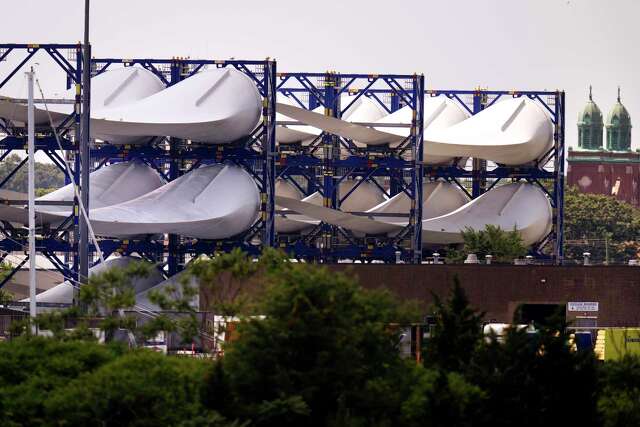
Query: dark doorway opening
{"x":539,"y":314}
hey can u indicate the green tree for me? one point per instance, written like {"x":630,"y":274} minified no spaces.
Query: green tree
{"x":227,"y":285}
{"x":46,"y":381}
{"x":42,"y":191}
{"x":140,"y":388}
{"x":535,"y":379}
{"x":597,"y":224}
{"x":6,"y":297}
{"x":527,"y":380}
{"x":457,"y":332}
{"x":110,"y":300}
{"x":322,"y":342}
{"x":31,"y":369}
{"x":48,"y":175}
{"x":619,"y":400}
{"x":503,"y":245}
{"x":440,"y":398}
{"x":313,"y":348}
{"x":111,"y":292}
{"x":222,"y":280}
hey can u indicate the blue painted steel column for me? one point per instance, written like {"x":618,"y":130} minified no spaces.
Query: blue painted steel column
{"x":395,"y":102}
{"x":176,"y":66}
{"x":85,"y":153}
{"x":269,"y":153}
{"x":76,"y":167}
{"x":331,"y":196}
{"x":479,"y":183}
{"x":313,"y":101}
{"x":417,"y":132}
{"x":173,"y":257}
{"x":559,"y":176}
{"x":396,"y":177}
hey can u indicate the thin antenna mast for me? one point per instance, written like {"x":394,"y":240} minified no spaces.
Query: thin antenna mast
{"x":32,"y":196}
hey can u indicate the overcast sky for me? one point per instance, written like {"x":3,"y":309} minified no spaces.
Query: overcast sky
{"x":499,"y":44}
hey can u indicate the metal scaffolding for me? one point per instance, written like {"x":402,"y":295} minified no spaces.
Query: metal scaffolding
{"x":170,"y":157}
{"x":547,"y":172}
{"x":329,"y":160}
{"x":322,"y":165}
{"x":173,"y":157}
{"x":58,"y":245}
{"x":474,"y":178}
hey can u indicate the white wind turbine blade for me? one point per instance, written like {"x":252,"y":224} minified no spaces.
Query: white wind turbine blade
{"x":111,"y":184}
{"x":211,"y":202}
{"x":111,"y":88}
{"x":214,"y":106}
{"x":512,"y":132}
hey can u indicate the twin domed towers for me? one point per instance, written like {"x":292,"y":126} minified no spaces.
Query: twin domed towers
{"x":618,"y":127}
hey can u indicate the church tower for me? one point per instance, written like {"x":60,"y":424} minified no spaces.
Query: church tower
{"x":590,"y":126}
{"x":619,"y":128}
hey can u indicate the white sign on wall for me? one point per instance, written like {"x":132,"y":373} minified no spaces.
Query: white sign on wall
{"x":582,"y":306}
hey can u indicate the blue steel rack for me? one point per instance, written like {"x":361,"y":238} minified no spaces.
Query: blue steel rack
{"x":171,"y":158}
{"x":400,"y":167}
{"x":60,"y":241}
{"x":256,"y":153}
{"x":548,"y":173}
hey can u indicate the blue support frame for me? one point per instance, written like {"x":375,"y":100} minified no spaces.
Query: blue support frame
{"x":60,"y":240}
{"x":400,"y":166}
{"x":259,"y":156}
{"x":481,"y":178}
{"x":255,"y":153}
{"x":554,"y":103}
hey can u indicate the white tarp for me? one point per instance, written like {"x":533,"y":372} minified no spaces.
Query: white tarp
{"x":173,"y":288}
{"x":361,"y":109}
{"x":439,"y":198}
{"x":365,"y":196}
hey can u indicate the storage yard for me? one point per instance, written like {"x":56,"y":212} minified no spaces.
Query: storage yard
{"x":350,"y":214}
{"x":194,"y":157}
{"x":197,"y":157}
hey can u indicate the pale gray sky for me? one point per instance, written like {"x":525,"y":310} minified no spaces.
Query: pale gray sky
{"x":499,"y":44}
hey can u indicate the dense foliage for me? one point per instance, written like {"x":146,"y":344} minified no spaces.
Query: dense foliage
{"x":620,"y":397}
{"x":48,"y":176}
{"x":51,"y":382}
{"x":599,"y":225}
{"x":603,"y":226}
{"x":503,"y":245}
{"x":319,"y":346}
{"x":323,"y":352}
{"x":33,"y":369}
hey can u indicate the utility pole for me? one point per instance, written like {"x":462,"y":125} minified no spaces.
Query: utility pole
{"x":31,"y":146}
{"x":85,"y":160}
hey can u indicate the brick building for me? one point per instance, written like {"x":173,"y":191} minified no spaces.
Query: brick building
{"x":613,"y":170}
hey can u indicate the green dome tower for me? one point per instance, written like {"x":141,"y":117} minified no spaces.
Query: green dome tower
{"x":590,"y":126}
{"x":619,"y":128}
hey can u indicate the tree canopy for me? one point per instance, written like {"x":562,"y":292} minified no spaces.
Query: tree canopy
{"x":48,"y":176}
{"x":599,"y":224}
{"x":313,"y":348}
{"x":322,"y":341}
{"x":503,"y":245}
